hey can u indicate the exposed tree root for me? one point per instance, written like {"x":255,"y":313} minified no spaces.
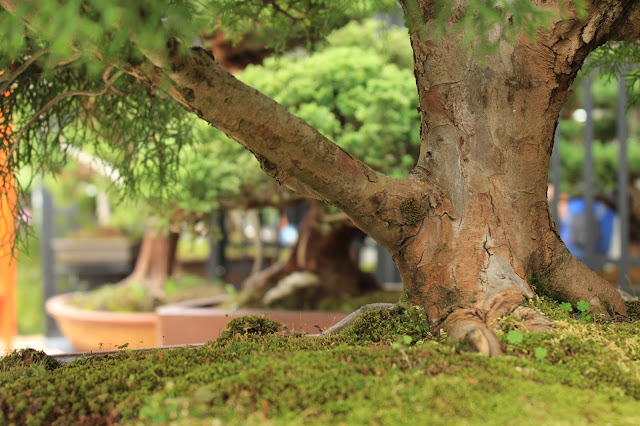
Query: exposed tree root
{"x":475,"y":328}
{"x":463,"y":325}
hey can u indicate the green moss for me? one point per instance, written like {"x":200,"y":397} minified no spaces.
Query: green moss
{"x":135,"y":297}
{"x":550,"y":308}
{"x":250,"y":325}
{"x":386,"y":325}
{"x":255,"y":375}
{"x":28,"y":358}
{"x":412,"y":212}
{"x":633,"y":309}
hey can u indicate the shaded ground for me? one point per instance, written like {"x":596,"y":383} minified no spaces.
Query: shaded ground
{"x":387,"y":369}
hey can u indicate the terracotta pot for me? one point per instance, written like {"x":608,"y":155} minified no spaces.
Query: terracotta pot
{"x":102,"y":330}
{"x":194,"y":322}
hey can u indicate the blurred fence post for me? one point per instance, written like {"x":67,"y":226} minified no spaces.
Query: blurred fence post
{"x":386,"y":271}
{"x":622,"y":134}
{"x":590,"y":249}
{"x":217,"y":263}
{"x":47,"y":260}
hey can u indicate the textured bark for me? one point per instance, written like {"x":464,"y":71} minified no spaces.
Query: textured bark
{"x":325,"y":253}
{"x":469,"y":228}
{"x":487,"y":138}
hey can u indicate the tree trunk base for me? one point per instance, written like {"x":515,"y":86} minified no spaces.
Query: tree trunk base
{"x":464,"y":325}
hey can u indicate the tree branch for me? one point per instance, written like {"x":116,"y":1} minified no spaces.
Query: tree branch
{"x":288,"y":149}
{"x":629,"y":27}
{"x":12,"y":77}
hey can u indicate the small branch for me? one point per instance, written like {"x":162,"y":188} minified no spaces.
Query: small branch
{"x":108,"y":82}
{"x":286,"y":13}
{"x":11,"y":78}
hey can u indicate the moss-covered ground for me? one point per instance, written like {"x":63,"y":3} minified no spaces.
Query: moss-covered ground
{"x":386,"y":369}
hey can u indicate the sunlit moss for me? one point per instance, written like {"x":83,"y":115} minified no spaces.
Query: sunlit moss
{"x":386,"y":367}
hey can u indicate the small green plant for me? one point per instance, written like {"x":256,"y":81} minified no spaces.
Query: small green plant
{"x":514,"y":336}
{"x":566,"y":306}
{"x":123,"y":346}
{"x":582,"y":306}
{"x":402,"y":341}
{"x":540,"y":354}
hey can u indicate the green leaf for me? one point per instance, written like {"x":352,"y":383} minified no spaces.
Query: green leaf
{"x":582,"y":306}
{"x":126,"y":345}
{"x":566,"y":306}
{"x":407,"y":340}
{"x":540,"y":353}
{"x":514,"y":336}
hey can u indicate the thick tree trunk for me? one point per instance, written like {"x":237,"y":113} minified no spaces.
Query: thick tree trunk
{"x":487,"y":137}
{"x":320,"y":266}
{"x":156,"y":260}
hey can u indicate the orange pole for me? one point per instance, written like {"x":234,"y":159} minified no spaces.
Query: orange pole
{"x":8,"y":264}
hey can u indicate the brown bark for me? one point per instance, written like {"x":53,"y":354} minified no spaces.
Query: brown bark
{"x":324,"y":253}
{"x":486,"y":140}
{"x":156,"y":260}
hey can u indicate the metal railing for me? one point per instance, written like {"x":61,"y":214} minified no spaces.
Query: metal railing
{"x":591,"y":258}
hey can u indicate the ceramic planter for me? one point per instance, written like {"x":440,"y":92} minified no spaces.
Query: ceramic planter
{"x":195,"y":321}
{"x":102,"y":330}
{"x":199,"y":320}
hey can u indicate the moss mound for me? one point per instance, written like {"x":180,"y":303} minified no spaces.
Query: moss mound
{"x":250,"y":325}
{"x":387,"y":325}
{"x":386,"y":369}
{"x":28,"y":359}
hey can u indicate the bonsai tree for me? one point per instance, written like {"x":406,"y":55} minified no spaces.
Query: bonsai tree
{"x":469,"y":227}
